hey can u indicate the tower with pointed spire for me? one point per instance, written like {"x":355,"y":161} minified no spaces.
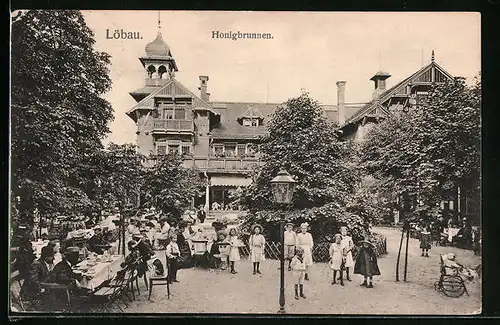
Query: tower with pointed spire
{"x":158,"y":62}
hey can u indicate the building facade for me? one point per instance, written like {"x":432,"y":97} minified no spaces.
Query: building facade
{"x":221,"y":139}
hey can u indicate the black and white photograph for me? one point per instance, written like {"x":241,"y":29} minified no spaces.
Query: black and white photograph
{"x":245,"y":162}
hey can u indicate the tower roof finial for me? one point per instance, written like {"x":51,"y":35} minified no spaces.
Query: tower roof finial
{"x":432,"y":56}
{"x":159,"y":21}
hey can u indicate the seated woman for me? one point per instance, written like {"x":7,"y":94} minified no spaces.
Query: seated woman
{"x":463,"y":238}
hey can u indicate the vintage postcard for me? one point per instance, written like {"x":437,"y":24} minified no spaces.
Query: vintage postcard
{"x":206,"y":162}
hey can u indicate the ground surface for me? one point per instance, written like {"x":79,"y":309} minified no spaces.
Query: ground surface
{"x":203,"y":291}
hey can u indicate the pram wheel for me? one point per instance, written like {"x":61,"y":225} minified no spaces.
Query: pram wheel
{"x":453,"y":286}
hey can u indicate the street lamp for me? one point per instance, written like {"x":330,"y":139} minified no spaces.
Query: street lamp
{"x":283,"y":186}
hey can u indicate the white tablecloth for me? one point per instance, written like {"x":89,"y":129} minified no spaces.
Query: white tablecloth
{"x":452,"y":232}
{"x":86,"y":233}
{"x":103,"y":271}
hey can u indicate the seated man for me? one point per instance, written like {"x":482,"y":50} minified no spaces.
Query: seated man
{"x":63,"y":271}
{"x":145,"y":252}
{"x":97,"y":243}
{"x":38,"y":271}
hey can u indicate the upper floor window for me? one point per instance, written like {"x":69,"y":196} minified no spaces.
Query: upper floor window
{"x":251,"y":122}
{"x":169,"y":147}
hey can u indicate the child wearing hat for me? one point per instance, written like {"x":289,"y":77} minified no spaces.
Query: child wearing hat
{"x":290,"y":238}
{"x":257,"y":243}
{"x":305,"y":241}
{"x":348,"y":246}
{"x":234,"y":251}
{"x":337,"y":258}
{"x":299,"y":271}
{"x":425,"y":241}
{"x":366,"y":263}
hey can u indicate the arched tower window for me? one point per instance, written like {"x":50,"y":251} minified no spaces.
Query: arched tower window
{"x":151,"y":70}
{"x":162,"y":72}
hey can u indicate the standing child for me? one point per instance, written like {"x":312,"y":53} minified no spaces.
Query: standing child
{"x":173,"y":254}
{"x":348,"y":246}
{"x":234,"y":251}
{"x":366,"y":263}
{"x":299,"y":270}
{"x":305,"y":241}
{"x":337,"y":258}
{"x":257,"y":243}
{"x":425,"y":241}
{"x":290,"y":243}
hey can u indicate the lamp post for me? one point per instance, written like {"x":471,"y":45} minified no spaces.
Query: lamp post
{"x":283,"y":187}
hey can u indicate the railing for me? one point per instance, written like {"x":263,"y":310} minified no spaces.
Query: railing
{"x":223,"y":164}
{"x":156,"y":82}
{"x":320,"y":252}
{"x":173,"y":125}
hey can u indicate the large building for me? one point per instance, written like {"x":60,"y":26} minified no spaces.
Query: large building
{"x":221,"y":139}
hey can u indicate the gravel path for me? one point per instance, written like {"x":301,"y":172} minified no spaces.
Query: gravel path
{"x":203,"y":291}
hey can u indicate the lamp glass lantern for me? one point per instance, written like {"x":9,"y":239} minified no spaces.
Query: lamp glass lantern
{"x":283,"y":187}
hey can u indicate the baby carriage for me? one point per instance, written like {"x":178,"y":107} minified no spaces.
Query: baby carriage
{"x":451,"y":281}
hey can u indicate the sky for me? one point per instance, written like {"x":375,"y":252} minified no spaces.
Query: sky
{"x":309,"y":50}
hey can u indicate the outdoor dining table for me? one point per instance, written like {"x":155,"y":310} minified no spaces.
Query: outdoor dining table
{"x":95,"y":272}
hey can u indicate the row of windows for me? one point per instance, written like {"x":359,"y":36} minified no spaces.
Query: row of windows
{"x":234,"y":149}
{"x":179,"y":148}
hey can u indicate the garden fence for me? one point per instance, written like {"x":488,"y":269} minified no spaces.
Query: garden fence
{"x":320,"y":252}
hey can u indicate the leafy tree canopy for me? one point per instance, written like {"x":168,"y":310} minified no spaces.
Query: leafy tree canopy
{"x":301,"y":140}
{"x":426,"y":152}
{"x":58,"y":115}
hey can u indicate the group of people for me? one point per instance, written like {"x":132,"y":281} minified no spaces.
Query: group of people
{"x":437,"y":231}
{"x":298,"y":252}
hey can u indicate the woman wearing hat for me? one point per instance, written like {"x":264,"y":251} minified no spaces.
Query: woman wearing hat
{"x":185,"y":259}
{"x":366,"y":263}
{"x":257,"y":243}
{"x":290,"y":243}
{"x":348,"y":246}
{"x":305,"y":241}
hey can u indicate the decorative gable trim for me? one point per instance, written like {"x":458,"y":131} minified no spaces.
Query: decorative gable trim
{"x":175,"y":89}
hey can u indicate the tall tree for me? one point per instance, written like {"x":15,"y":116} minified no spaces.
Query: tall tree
{"x":433,"y":148}
{"x":301,"y":140}
{"x":171,"y":185}
{"x":57,"y":113}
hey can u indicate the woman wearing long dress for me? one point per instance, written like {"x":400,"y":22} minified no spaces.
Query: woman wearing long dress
{"x":347,"y":245}
{"x":185,"y":258}
{"x":305,"y":241}
{"x":257,"y":243}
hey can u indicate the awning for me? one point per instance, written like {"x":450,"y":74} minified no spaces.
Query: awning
{"x":230,"y":181}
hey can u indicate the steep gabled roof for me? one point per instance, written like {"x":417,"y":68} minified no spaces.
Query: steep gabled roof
{"x":368,"y":108}
{"x":171,"y":88}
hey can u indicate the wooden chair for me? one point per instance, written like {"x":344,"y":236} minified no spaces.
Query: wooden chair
{"x":200,"y":249}
{"x":114,"y":291}
{"x":155,"y":280}
{"x":15,"y":295}
{"x":48,"y":287}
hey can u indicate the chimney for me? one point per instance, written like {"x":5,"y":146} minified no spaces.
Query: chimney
{"x":341,"y":101}
{"x":379,"y":80}
{"x":203,"y":88}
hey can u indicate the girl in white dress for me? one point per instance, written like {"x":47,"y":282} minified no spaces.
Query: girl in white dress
{"x":305,"y":241}
{"x":299,"y":270}
{"x":234,"y":251}
{"x":257,"y":243}
{"x":348,"y":246}
{"x":336,"y":258}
